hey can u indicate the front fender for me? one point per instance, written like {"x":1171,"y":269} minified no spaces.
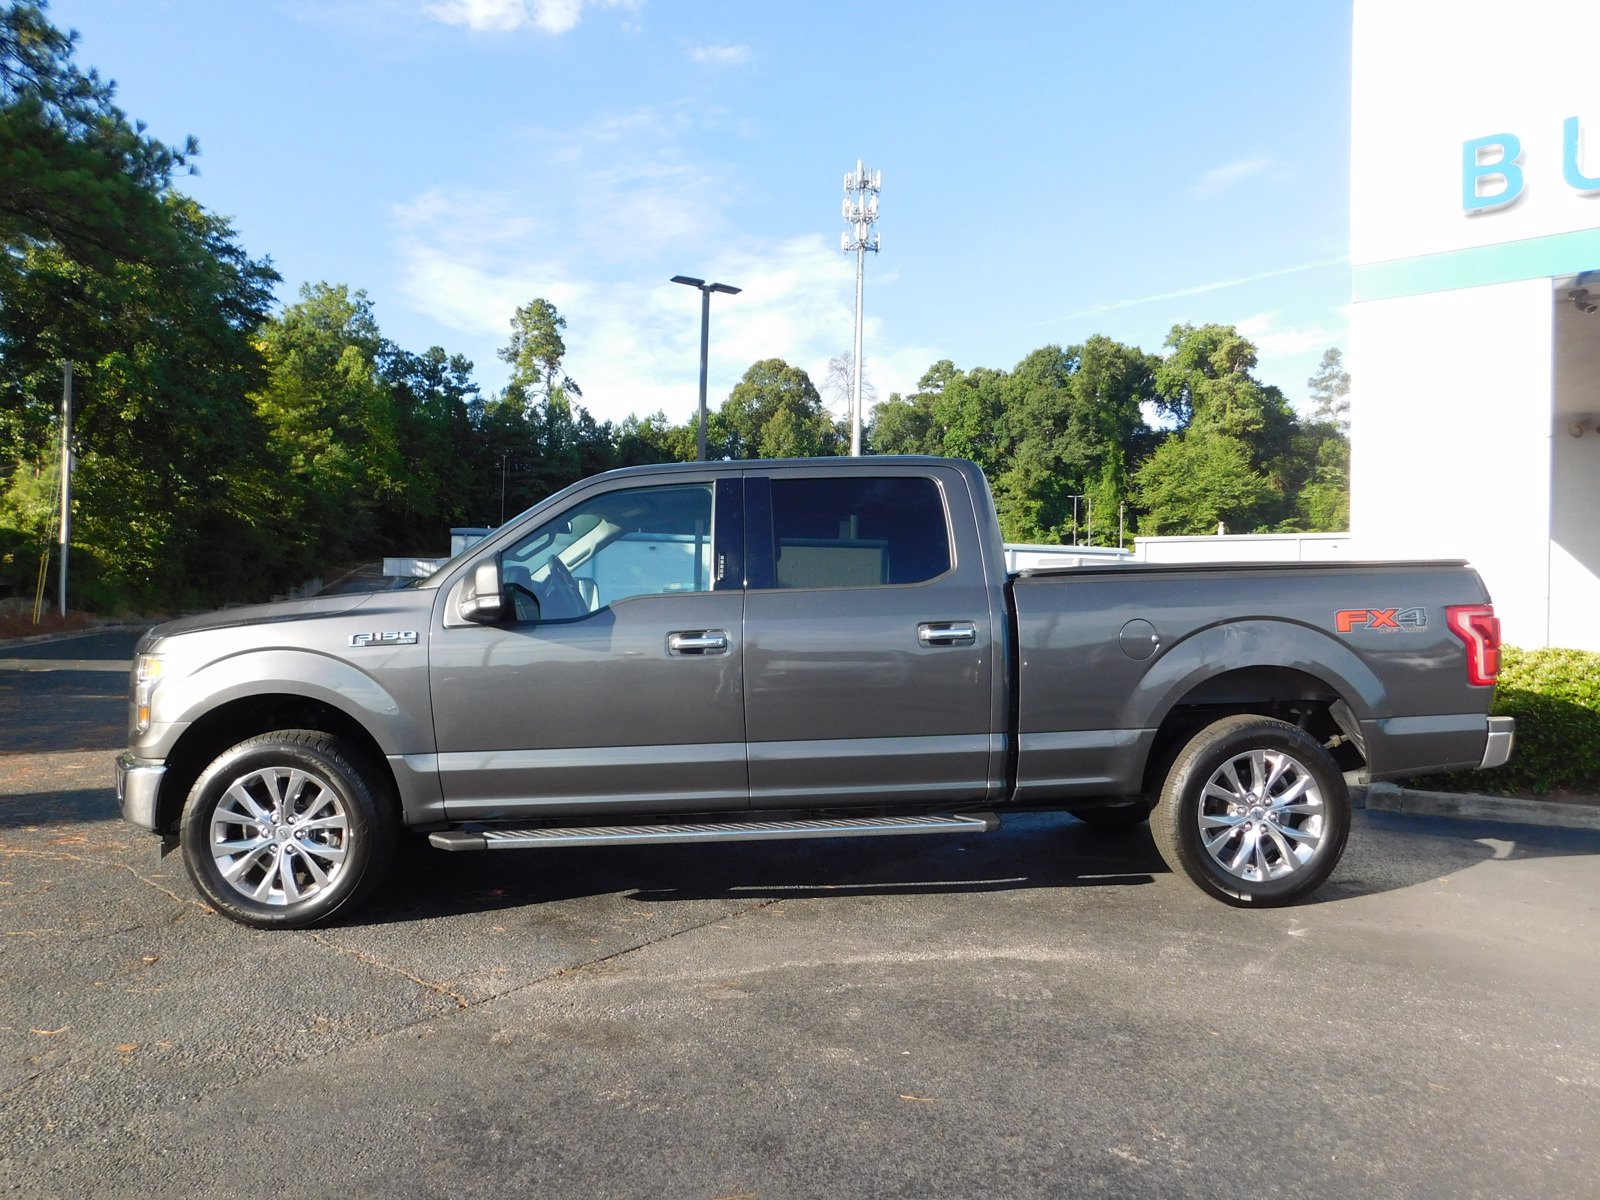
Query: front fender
{"x":395,"y":711}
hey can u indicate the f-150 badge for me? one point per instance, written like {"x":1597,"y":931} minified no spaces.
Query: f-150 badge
{"x":1397,"y":619}
{"x":389,"y":637}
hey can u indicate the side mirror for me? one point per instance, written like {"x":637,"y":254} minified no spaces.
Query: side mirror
{"x":482,"y":598}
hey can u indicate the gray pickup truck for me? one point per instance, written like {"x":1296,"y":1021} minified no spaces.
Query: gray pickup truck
{"x":822,"y":648}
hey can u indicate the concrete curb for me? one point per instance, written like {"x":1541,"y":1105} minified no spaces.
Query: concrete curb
{"x":1473,"y":806}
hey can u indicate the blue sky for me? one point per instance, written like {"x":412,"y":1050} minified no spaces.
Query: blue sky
{"x":1051,"y":170}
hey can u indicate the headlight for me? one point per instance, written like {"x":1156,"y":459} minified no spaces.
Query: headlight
{"x":146,"y":674}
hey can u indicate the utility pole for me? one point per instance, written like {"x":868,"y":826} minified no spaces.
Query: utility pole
{"x":705,"y":341}
{"x":1088,"y":503}
{"x":861,"y":188}
{"x":66,"y":481}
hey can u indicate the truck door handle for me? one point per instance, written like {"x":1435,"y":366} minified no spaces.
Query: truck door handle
{"x":698,"y":641}
{"x":947,"y":633}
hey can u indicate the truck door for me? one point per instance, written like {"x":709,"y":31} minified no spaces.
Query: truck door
{"x":869,"y":642}
{"x":616,"y":680}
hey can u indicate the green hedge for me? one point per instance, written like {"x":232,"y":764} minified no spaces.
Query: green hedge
{"x":1555,"y":696}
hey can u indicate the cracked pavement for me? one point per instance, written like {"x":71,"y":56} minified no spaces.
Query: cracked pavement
{"x":1041,"y":1011}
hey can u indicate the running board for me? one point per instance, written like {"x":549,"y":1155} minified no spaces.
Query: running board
{"x":708,"y":831}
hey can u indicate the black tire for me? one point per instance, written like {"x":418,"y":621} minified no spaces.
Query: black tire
{"x":1239,"y":779}
{"x":285,"y":831}
{"x":1114,"y":818}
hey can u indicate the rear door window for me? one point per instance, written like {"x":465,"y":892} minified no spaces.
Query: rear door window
{"x":848,"y":532}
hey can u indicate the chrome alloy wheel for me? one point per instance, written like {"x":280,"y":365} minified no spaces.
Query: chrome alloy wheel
{"x":279,"y":835}
{"x":1261,"y":815}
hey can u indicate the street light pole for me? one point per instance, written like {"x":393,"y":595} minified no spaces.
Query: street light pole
{"x":1088,"y":502}
{"x":705,"y":342}
{"x":66,"y":482}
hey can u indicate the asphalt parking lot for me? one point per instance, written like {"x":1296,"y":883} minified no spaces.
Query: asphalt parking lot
{"x":1037,"y":1012}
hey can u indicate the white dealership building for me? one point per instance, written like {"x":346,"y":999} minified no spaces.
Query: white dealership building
{"x":1475,"y":328}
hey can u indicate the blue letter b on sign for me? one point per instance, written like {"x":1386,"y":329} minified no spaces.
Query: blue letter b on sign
{"x":1485,"y":161}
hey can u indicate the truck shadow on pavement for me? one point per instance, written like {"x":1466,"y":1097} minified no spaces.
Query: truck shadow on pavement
{"x":1054,"y":852}
{"x":1031,"y":852}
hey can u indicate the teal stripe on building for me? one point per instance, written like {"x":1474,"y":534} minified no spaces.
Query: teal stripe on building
{"x":1508,"y":262}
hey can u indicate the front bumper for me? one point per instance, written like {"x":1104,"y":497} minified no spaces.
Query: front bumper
{"x":1502,"y":736}
{"x":139,"y":790}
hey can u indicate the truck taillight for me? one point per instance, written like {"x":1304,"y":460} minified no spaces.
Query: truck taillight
{"x":1479,"y":628}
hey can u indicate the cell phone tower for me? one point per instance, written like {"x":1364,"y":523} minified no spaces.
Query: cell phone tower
{"x":861,"y":188}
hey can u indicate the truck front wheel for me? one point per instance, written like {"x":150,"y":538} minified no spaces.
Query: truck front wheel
{"x":1253,"y":811}
{"x":284,"y":831}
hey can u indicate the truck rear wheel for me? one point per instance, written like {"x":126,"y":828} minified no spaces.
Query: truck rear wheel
{"x":283,"y":831}
{"x":1253,"y":811}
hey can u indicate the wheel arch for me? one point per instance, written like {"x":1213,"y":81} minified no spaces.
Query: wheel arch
{"x":1297,"y":696}
{"x":247,"y":716}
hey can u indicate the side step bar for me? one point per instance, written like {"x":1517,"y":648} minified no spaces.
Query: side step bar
{"x":708,"y":831}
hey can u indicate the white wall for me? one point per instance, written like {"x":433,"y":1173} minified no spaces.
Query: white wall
{"x":1244,"y":547}
{"x":1575,"y":503}
{"x":1466,"y":358}
{"x":1451,"y":414}
{"x":1430,"y":75}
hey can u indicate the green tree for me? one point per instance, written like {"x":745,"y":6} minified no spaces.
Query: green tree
{"x":102,"y":263}
{"x":333,"y":425}
{"x":910,"y":424}
{"x":1322,"y":499}
{"x":1234,"y":439}
{"x":434,"y":398}
{"x":74,"y":171}
{"x":533,"y":425}
{"x":1073,"y":426}
{"x":1201,"y":483}
{"x":536,"y":352}
{"x":902,"y":425}
{"x":653,"y":439}
{"x":774,"y":411}
{"x":1330,"y":390}
{"x":169,"y":452}
{"x":968,"y":412}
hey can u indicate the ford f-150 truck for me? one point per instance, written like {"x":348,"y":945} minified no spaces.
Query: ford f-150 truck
{"x":811,"y":648}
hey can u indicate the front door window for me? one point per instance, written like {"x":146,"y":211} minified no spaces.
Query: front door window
{"x":637,"y":542}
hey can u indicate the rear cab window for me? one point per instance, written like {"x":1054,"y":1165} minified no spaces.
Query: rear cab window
{"x":847,"y":531}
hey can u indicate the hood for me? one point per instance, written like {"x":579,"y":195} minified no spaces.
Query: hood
{"x":259,"y":614}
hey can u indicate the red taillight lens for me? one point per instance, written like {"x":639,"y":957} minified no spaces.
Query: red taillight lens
{"x":1479,"y":628}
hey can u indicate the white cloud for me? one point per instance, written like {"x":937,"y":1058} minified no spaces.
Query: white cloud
{"x":505,"y":16}
{"x":1288,"y":353}
{"x":1199,"y":289}
{"x":719,"y":56}
{"x":1230,"y":175}
{"x":1273,"y":338}
{"x":600,"y":221}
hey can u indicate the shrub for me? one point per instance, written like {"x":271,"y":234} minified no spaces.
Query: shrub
{"x":1555,"y":696}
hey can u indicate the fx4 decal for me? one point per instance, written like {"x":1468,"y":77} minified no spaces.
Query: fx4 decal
{"x":1410,"y":620}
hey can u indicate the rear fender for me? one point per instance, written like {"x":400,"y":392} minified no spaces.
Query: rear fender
{"x":1179,"y":670}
